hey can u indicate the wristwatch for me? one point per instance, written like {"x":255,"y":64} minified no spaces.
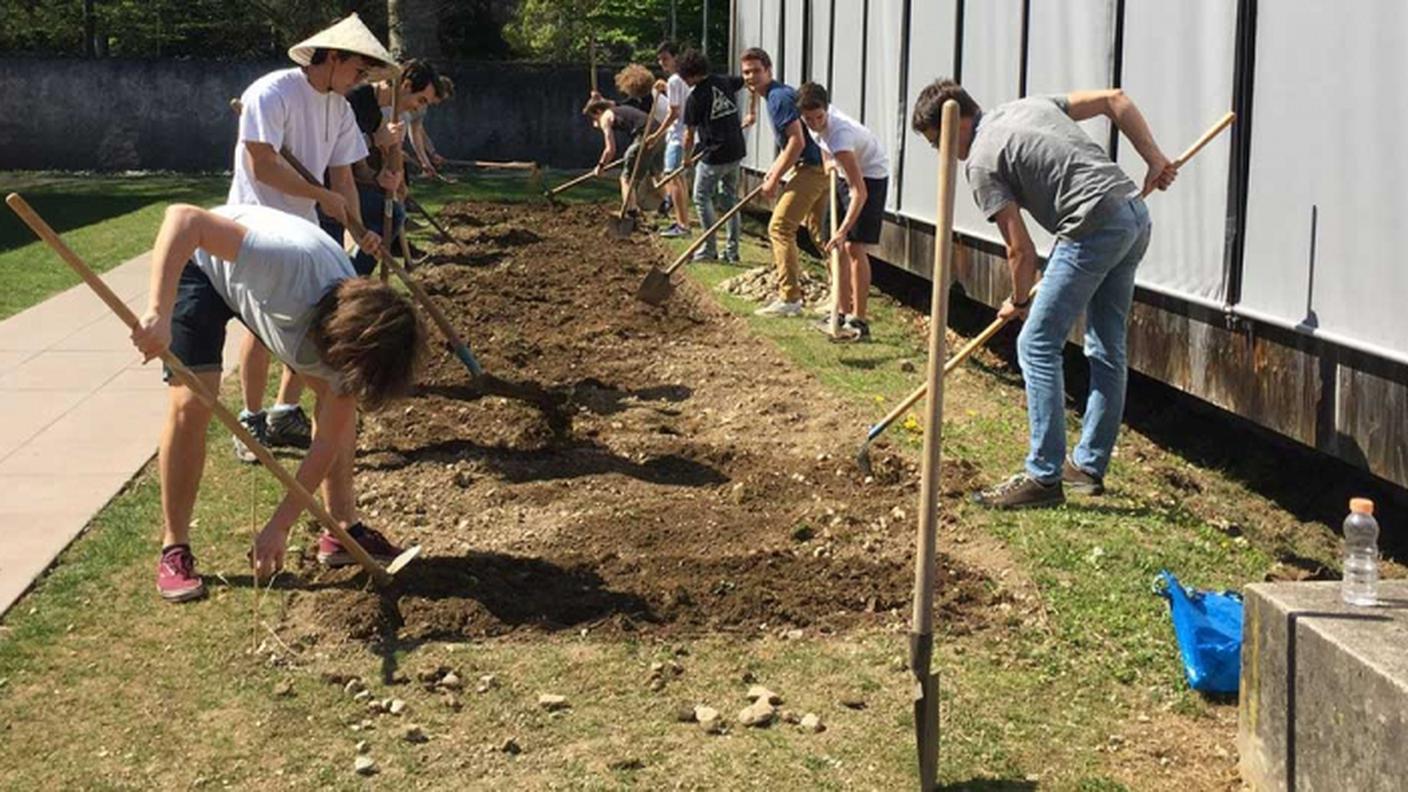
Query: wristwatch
{"x":1022,"y":304}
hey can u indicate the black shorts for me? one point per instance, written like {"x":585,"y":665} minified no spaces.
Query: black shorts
{"x":198,"y":323}
{"x":872,"y":215}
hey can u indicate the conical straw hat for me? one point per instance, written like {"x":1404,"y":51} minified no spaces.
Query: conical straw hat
{"x":348,"y":35}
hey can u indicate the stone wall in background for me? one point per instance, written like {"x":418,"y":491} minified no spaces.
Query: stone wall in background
{"x":115,"y":115}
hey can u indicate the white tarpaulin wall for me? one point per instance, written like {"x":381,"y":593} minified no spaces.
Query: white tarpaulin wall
{"x":1329,"y":121}
{"x":794,"y":38}
{"x":1070,"y":47}
{"x":931,"y":45}
{"x":846,"y":72}
{"x":821,"y":41}
{"x":882,"y":82}
{"x":771,"y":41}
{"x":992,"y":74}
{"x":1179,"y":69}
{"x":749,"y":32}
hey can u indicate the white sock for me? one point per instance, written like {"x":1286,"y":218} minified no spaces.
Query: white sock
{"x":280,"y":409}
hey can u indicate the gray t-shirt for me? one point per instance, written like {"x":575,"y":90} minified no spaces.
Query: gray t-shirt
{"x":1032,"y":153}
{"x":285,"y":266}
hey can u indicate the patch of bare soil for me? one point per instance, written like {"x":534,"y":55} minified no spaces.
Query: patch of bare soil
{"x":680,"y":476}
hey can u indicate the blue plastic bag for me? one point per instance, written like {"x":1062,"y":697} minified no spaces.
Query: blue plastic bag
{"x":1208,"y":626}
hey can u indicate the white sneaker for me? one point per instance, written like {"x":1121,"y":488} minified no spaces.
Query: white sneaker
{"x":780,"y":308}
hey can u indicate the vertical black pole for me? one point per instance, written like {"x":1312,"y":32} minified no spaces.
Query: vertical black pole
{"x":958,"y":44}
{"x":1026,"y":39}
{"x":1117,"y":71}
{"x":1244,"y":59}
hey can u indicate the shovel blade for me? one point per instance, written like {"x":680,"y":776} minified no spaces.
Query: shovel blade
{"x":399,"y":562}
{"x":926,"y":730}
{"x":656,"y":288}
{"x":621,"y":227}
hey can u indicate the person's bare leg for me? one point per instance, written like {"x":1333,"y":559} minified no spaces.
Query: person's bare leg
{"x":680,"y":197}
{"x":290,"y":387}
{"x":254,"y":372}
{"x":181,"y":458}
{"x":860,"y":279}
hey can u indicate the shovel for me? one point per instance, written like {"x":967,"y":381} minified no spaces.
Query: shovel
{"x":657,"y":288}
{"x":185,"y":377}
{"x":863,"y":456}
{"x":395,"y":164}
{"x":415,"y":206}
{"x":552,"y":194}
{"x":921,"y":634}
{"x":623,"y":224}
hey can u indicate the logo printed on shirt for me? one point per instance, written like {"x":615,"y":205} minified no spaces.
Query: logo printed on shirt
{"x":723,"y":106}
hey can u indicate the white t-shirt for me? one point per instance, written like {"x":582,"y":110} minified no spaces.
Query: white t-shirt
{"x":285,"y":266}
{"x":662,"y":109}
{"x":282,"y":109}
{"x":844,"y":133}
{"x":677,"y":93}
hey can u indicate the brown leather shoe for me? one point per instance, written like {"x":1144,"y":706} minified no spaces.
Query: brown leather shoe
{"x":1021,"y":492}
{"x":1081,"y":482}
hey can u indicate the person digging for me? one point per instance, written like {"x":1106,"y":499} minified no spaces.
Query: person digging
{"x":426,"y":154}
{"x":865,"y":172}
{"x":677,"y":92}
{"x":802,"y":200}
{"x":355,"y":341}
{"x":371,"y":104}
{"x":301,"y":109}
{"x":712,"y":113}
{"x":1031,"y":154}
{"x":613,"y":119}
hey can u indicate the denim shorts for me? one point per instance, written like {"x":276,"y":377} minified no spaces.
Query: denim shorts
{"x":198,"y":323}
{"x":674,"y":155}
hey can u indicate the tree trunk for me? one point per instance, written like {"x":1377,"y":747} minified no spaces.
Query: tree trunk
{"x":414,"y":28}
{"x":90,"y":30}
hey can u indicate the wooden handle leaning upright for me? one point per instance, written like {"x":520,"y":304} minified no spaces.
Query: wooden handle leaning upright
{"x":187,"y":378}
{"x":394,"y":163}
{"x":642,"y":152}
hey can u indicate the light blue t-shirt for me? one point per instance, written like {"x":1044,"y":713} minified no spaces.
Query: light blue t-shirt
{"x":284,"y":267}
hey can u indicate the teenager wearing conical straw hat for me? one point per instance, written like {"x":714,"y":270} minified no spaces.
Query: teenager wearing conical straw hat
{"x":302,"y":109}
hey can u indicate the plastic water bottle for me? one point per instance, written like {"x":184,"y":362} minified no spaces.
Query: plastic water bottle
{"x":1361,"y":554}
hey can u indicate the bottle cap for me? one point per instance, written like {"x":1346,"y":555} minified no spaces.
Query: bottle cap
{"x":1361,"y":505}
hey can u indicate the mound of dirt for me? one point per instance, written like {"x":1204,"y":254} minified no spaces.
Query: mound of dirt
{"x":635,"y":468}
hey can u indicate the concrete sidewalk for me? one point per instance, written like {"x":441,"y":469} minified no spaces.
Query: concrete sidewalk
{"x":81,"y":417}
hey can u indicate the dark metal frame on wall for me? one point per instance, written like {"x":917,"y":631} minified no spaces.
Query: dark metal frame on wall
{"x":1301,"y":386}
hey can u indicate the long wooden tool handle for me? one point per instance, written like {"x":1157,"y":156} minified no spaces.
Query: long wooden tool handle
{"x":394,"y":163}
{"x":695,"y":245}
{"x":640,"y":153}
{"x":1213,"y":131}
{"x":927,"y":533}
{"x":591,"y":174}
{"x":593,"y":61}
{"x":835,"y":260}
{"x":415,"y":206}
{"x":669,"y":177}
{"x":187,"y":378}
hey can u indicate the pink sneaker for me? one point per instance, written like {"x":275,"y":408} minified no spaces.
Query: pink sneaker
{"x":176,"y":578}
{"x":332,"y":554}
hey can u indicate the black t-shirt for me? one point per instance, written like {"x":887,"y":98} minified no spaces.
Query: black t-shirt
{"x":368,"y":113}
{"x":627,"y":119}
{"x":712,"y":109}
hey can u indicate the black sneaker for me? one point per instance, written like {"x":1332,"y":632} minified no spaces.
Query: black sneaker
{"x":289,"y":428}
{"x":859,"y":328}
{"x":257,"y":425}
{"x":1021,"y":492}
{"x":1081,"y":482}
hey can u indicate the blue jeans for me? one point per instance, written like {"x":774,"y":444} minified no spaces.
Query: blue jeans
{"x":1093,"y":274}
{"x":721,"y":180}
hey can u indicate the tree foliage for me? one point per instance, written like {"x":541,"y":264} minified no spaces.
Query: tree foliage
{"x":547,"y":30}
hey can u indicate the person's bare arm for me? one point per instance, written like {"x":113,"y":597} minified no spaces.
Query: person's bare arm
{"x":1116,"y":105}
{"x":336,"y":416}
{"x":184,"y":229}
{"x":751,"y":117}
{"x":340,"y":177}
{"x":269,"y":167}
{"x":1021,"y":260}
{"x":608,"y":146}
{"x":851,"y":166}
{"x":688,"y":143}
{"x":785,"y":158}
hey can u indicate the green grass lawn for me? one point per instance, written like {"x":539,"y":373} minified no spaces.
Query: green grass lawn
{"x":102,"y":687}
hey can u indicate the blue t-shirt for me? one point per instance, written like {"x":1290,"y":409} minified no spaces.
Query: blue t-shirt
{"x":782,"y":109}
